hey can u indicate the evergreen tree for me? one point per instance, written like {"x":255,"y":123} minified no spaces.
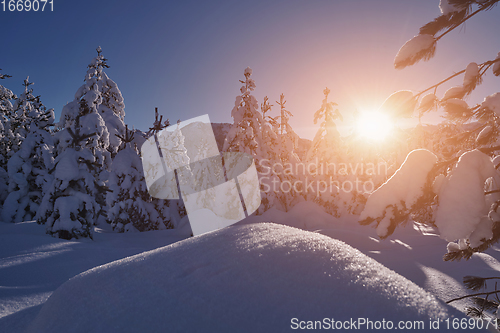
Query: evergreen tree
{"x":289,"y":139}
{"x":130,"y":207}
{"x":273,"y":195}
{"x":112,"y":105}
{"x":70,"y":207}
{"x":29,"y":165}
{"x":97,"y":90}
{"x":325,"y":155}
{"x":76,"y":198}
{"x":246,"y":133}
{"x":6,"y":107}
{"x":327,"y":136}
{"x":171,"y":211}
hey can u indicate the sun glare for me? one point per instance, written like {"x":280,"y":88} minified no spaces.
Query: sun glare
{"x":374,"y":125}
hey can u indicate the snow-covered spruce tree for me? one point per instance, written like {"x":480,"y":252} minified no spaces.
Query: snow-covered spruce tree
{"x":94,"y":90}
{"x":272,"y":176}
{"x":130,"y":207}
{"x":289,"y":139}
{"x":76,"y":198}
{"x":326,"y":153}
{"x":170,"y":211}
{"x":246,"y":133}
{"x":112,"y":105}
{"x":6,"y":97}
{"x":283,"y":146}
{"x":18,"y":121}
{"x":29,"y":165}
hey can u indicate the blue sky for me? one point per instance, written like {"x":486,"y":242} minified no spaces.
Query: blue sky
{"x":186,"y":57}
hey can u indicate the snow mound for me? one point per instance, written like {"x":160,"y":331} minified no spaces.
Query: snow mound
{"x":401,"y":191}
{"x":462,"y":202}
{"x":248,"y":278}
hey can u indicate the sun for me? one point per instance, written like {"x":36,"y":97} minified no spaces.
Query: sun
{"x":374,"y":125}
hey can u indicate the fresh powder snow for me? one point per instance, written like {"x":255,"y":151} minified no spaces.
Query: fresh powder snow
{"x":248,"y":278}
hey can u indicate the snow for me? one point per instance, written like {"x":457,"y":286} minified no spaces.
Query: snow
{"x":399,"y":104}
{"x":243,"y":279}
{"x":462,"y":202}
{"x":447,"y":8}
{"x":456,"y":107}
{"x":484,"y":134}
{"x":496,"y":66}
{"x":412,"y":49}
{"x":492,"y":103}
{"x":454,"y":92}
{"x":427,"y":102}
{"x":471,"y":74}
{"x":264,"y":272}
{"x":402,"y":190}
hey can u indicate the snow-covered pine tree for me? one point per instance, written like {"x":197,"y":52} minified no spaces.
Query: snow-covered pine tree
{"x":112,"y":107}
{"x":130,"y":207}
{"x":29,"y":165}
{"x":77,"y":196}
{"x":282,"y":142}
{"x":273,"y":194}
{"x":289,"y":139}
{"x":6,"y":97}
{"x":70,"y":206}
{"x":246,"y":133}
{"x":94,"y":91}
{"x":325,"y":155}
{"x":19,"y":118}
{"x":170,"y":211}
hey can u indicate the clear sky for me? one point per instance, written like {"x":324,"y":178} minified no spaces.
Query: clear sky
{"x":186,"y":57}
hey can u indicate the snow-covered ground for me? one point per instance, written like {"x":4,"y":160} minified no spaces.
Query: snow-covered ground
{"x":245,"y":278}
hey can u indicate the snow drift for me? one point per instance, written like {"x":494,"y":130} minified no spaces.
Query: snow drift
{"x":246,"y":278}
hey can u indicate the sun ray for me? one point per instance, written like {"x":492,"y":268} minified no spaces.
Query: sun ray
{"x":374,"y":125}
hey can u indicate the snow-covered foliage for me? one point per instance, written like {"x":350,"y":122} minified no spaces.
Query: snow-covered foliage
{"x":327,"y":148}
{"x":400,"y":104}
{"x":70,"y":206}
{"x":463,"y":209}
{"x":390,"y":204}
{"x":130,"y":207}
{"x":246,"y":133}
{"x":252,"y":134}
{"x":6,"y":109}
{"x":447,"y":8}
{"x":419,"y":47}
{"x":29,"y":165}
{"x":496,"y":65}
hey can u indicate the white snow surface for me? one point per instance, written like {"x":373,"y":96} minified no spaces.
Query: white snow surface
{"x":250,"y":278}
{"x":462,"y":202}
{"x":33,"y":265}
